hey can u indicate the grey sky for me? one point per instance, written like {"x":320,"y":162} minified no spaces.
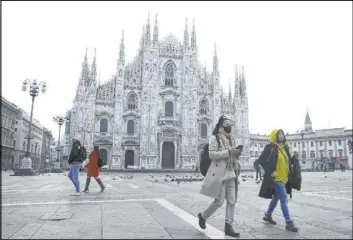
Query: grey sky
{"x":296,"y":55}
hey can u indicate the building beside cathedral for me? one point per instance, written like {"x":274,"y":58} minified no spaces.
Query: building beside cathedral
{"x":158,"y":110}
{"x":323,"y":147}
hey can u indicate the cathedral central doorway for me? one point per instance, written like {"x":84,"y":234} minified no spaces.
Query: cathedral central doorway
{"x":129,"y":158}
{"x":168,"y":151}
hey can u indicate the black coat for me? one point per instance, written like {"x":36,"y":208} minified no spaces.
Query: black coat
{"x":268,"y":161}
{"x":75,"y":153}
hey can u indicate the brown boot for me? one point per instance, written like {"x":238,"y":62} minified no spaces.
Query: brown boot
{"x":228,"y":230}
{"x":88,"y":180}
{"x":99,"y":181}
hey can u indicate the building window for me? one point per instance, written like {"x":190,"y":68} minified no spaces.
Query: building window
{"x":14,"y":143}
{"x":103,"y":125}
{"x":203,"y":130}
{"x":39,"y":150}
{"x":15,"y":129}
{"x":330,"y":143}
{"x":320,"y":143}
{"x":295,"y":145}
{"x":132,"y":102}
{"x":303,"y":155}
{"x":169,"y":74}
{"x":339,"y":142}
{"x":251,"y":154}
{"x":321,"y":153}
{"x":169,"y":109}
{"x":255,"y":144}
{"x":312,"y":144}
{"x":312,"y":154}
{"x":256,"y":154}
{"x":330,"y":153}
{"x":203,"y":107}
{"x":340,"y":153}
{"x":24,"y":146}
{"x":130,"y":127}
{"x":303,"y":144}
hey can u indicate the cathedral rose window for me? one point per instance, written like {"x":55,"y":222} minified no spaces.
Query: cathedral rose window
{"x":203,"y":107}
{"x":169,"y":74}
{"x":132,"y":102}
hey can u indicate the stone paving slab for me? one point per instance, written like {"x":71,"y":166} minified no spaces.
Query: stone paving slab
{"x":129,"y":209}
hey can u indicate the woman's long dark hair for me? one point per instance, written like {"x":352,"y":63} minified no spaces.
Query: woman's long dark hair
{"x":219,"y":124}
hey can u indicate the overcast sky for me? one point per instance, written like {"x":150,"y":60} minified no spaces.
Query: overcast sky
{"x":296,"y":55}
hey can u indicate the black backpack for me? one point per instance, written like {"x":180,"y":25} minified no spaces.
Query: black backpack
{"x":100,"y":162}
{"x":83,"y":153}
{"x":205,"y":160}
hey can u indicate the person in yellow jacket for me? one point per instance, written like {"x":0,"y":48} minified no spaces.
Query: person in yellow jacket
{"x":275,"y":160}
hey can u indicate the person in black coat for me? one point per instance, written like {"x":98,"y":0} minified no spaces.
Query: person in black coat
{"x":278,"y":179}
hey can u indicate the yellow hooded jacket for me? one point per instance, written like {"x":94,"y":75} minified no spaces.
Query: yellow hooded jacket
{"x":282,"y":167}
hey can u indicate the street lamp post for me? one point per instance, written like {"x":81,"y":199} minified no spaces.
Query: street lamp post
{"x":60,"y":121}
{"x":34,"y":87}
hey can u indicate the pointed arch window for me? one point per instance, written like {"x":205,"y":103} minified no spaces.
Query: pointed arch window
{"x":169,"y":109}
{"x":104,"y":125}
{"x":132,"y":102}
{"x":203,"y":130}
{"x":203,"y":107}
{"x":130,"y":127}
{"x":169,"y":74}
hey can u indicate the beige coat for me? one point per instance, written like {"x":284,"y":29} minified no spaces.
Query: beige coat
{"x":221,"y":168}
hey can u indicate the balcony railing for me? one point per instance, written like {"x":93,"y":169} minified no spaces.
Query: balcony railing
{"x":168,"y":121}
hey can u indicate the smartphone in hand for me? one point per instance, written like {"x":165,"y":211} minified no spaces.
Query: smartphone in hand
{"x":239,"y":147}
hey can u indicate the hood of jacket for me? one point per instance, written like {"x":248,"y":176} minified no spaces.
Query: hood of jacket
{"x":273,"y":136}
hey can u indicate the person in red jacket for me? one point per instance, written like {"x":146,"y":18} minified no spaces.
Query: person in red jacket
{"x":93,"y":169}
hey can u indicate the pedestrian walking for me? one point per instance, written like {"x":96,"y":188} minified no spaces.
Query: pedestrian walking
{"x":93,"y":169}
{"x":197,"y":171}
{"x":258,"y":172}
{"x":77,"y":156}
{"x":219,"y":182}
{"x":275,"y":161}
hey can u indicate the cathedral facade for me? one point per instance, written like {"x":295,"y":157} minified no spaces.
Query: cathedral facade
{"x":158,"y":110}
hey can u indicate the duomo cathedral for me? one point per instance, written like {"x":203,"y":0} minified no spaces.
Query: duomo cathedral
{"x":158,"y":110}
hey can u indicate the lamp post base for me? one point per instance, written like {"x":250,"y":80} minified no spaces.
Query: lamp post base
{"x":56,"y":168}
{"x":26,"y":168}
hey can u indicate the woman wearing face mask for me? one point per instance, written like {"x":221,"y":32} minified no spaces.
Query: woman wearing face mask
{"x":219,"y":181}
{"x":275,"y":159}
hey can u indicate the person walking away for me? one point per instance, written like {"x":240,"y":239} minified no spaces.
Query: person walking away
{"x":197,"y":169}
{"x":75,"y":160}
{"x":93,"y":169}
{"x":219,"y":182}
{"x":258,"y":172}
{"x":275,"y":161}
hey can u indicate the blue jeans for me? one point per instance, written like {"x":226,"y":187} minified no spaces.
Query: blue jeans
{"x":280,"y":194}
{"x":73,"y":175}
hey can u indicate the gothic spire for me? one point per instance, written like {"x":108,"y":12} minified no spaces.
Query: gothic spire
{"x":193,"y":37}
{"x":230,"y":92}
{"x":94,"y":68}
{"x":155,"y":30}
{"x":142,"y":40}
{"x":243,"y":92}
{"x":307,"y":123}
{"x":236,"y":85}
{"x":122,"y":50}
{"x":186,"y":36}
{"x":85,"y":70}
{"x":148,"y":30}
{"x":215,"y":60}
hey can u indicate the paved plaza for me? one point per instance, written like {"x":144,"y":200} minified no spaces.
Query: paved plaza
{"x":41,"y":207}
